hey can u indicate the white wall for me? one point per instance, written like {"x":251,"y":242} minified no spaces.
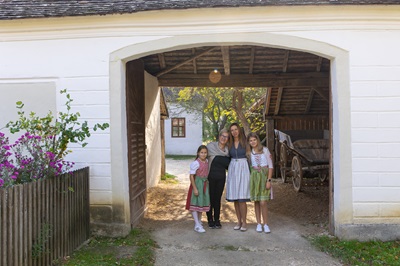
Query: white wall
{"x":193,"y":138}
{"x":153,"y":128}
{"x":87,"y":56}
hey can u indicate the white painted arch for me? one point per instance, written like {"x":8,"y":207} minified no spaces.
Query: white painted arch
{"x":340,"y":106}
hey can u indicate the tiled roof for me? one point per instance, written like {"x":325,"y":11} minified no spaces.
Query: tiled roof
{"x":18,"y":9}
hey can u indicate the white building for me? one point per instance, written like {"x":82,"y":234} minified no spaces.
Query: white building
{"x":44,"y":49}
{"x":183,"y":131}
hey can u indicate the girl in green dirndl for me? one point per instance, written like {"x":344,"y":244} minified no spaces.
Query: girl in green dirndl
{"x":198,"y":199}
{"x":261,"y":169}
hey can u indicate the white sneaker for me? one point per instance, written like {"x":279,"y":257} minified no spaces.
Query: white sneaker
{"x":259,"y":228}
{"x":199,"y":229}
{"x":266,"y":229}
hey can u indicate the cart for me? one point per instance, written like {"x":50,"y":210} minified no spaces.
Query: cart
{"x":305,"y":155}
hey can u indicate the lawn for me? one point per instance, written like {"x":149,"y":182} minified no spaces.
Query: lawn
{"x":371,"y":253}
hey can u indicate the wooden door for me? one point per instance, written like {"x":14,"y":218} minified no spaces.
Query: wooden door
{"x":136,"y":139}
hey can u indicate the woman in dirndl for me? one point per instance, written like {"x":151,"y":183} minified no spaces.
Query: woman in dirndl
{"x":238,"y":181}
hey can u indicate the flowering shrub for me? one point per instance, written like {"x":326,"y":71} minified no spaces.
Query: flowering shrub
{"x":39,"y":152}
{"x":28,"y":159}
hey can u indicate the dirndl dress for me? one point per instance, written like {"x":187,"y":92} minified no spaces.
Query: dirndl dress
{"x":259,"y":175}
{"x":200,"y":203}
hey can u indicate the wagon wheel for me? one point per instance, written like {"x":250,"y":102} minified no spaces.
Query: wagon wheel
{"x":297,"y":173}
{"x":283,"y":162}
{"x":323,"y":176}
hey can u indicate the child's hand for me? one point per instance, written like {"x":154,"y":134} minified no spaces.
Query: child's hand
{"x":195,"y":192}
{"x":268,"y":185}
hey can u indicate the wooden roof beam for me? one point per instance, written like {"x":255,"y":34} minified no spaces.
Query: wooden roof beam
{"x":278,"y":101}
{"x":267,"y":101}
{"x":226,"y":60}
{"x":319,"y":64}
{"x":194,"y":61}
{"x":251,"y":60}
{"x":161,"y":60}
{"x":309,"y":101}
{"x":285,"y":61}
{"x":326,"y":98}
{"x":284,"y":80}
{"x":163,"y":72}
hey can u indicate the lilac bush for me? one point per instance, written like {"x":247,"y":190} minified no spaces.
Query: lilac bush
{"x":29,"y":159}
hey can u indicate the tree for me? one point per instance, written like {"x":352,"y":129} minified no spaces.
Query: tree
{"x":222,"y":106}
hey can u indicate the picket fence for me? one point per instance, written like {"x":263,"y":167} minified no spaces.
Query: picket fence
{"x":43,"y":221}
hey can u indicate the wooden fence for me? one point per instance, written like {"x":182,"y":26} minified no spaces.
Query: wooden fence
{"x":44,"y":220}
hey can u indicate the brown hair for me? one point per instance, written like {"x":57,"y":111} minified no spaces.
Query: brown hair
{"x":242,"y":137}
{"x":259,"y":147}
{"x":199,"y":149}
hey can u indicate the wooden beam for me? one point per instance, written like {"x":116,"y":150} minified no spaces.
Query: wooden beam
{"x":319,"y":64}
{"x":226,"y":60}
{"x":194,"y":62}
{"x":285,"y":61}
{"x":159,"y":74}
{"x":321,"y":94}
{"x":309,"y":101}
{"x":278,"y":101}
{"x":284,"y":80}
{"x":161,"y":60}
{"x":268,"y":101}
{"x":251,"y":61}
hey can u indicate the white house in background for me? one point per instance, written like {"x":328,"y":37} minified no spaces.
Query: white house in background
{"x":94,"y":49}
{"x":183,"y":131}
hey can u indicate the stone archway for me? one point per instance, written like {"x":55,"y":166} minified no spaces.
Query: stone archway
{"x":341,"y":200}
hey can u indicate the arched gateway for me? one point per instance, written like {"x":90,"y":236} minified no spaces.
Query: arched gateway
{"x":341,"y":199}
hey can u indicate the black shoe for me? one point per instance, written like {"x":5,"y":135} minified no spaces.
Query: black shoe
{"x":211,"y":224}
{"x":218,"y":225}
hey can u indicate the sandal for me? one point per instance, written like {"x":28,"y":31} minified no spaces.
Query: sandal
{"x":237,"y":227}
{"x":243,"y":229}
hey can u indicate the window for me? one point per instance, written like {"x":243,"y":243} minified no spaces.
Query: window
{"x":178,"y":128}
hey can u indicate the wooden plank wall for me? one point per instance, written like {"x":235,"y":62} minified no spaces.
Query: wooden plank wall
{"x":303,"y":123}
{"x":44,"y":220}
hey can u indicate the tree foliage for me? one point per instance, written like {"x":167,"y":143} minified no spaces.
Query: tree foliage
{"x":222,"y":106}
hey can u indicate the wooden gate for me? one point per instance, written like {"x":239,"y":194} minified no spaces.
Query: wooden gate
{"x":136,"y":139}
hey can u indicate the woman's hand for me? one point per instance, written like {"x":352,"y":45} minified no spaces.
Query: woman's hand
{"x":195,"y":191}
{"x":268,"y":185}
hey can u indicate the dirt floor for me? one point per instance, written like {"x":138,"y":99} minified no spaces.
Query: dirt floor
{"x":309,"y":207}
{"x":292,"y":216}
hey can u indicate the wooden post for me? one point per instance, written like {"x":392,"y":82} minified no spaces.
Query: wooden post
{"x":269,"y":129}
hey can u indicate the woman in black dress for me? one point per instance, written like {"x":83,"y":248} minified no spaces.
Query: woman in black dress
{"x":218,"y":160}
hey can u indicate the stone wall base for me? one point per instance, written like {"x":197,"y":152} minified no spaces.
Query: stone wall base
{"x":366,"y":232}
{"x":110,"y":229}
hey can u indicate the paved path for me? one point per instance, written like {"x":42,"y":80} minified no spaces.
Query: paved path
{"x":180,"y":245}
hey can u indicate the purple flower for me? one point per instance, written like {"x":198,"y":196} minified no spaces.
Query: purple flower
{"x":6,"y":147}
{"x":1,"y":180}
{"x":13,"y":177}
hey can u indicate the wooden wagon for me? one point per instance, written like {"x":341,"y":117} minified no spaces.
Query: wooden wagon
{"x":305,"y":155}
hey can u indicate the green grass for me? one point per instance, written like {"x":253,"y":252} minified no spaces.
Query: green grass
{"x":135,"y":249}
{"x":371,"y":253}
{"x":180,"y":157}
{"x":168,"y":178}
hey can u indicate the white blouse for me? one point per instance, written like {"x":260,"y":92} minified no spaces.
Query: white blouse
{"x":262,"y":159}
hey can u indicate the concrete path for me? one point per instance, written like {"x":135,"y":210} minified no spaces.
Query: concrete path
{"x":285,"y":245}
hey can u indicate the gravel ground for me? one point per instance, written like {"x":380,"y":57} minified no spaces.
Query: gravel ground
{"x":292,"y":217}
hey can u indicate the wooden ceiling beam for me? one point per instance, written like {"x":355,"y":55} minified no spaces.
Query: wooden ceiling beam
{"x":226,"y":60}
{"x":267,"y":102}
{"x":309,"y":101}
{"x":194,"y":61}
{"x":278,"y":101}
{"x":284,"y":80}
{"x":326,"y":98}
{"x":285,"y":61}
{"x":163,"y":72}
{"x":161,"y":60}
{"x":319,"y":64}
{"x":251,"y":61}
